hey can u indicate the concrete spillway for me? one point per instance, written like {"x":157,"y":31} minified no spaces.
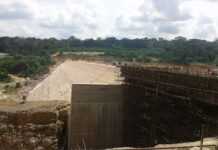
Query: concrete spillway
{"x":57,"y":86}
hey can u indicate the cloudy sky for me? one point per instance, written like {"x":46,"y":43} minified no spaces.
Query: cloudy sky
{"x":106,"y":18}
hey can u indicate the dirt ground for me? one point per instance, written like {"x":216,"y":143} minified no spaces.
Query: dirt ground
{"x":8,"y":90}
{"x":213,"y":141}
{"x":57,"y":86}
{"x":195,"y":144}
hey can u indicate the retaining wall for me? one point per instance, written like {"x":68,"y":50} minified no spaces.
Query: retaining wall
{"x":32,"y":127}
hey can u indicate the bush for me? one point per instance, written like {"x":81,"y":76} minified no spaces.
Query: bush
{"x":4,"y":76}
{"x":25,"y":66}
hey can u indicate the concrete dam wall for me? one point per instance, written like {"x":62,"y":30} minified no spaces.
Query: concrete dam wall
{"x":168,"y":107}
{"x":96,"y":117}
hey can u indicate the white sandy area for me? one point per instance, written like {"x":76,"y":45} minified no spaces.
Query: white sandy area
{"x":57,"y":86}
{"x":207,"y":141}
{"x":192,"y":145}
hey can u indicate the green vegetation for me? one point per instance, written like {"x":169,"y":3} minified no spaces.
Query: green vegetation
{"x":4,"y":77}
{"x":30,"y":56}
{"x":25,"y":66}
{"x":178,"y":50}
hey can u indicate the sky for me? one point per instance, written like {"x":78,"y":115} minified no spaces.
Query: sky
{"x":109,"y":18}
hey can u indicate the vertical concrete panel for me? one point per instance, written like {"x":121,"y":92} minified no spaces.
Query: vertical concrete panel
{"x":96,"y":116}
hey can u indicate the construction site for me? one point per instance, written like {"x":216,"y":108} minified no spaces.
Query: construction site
{"x":97,"y":105}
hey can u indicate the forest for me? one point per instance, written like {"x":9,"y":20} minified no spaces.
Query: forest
{"x":30,"y":56}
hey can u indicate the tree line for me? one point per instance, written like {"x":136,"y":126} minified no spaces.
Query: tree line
{"x":178,"y":50}
{"x":34,"y":54}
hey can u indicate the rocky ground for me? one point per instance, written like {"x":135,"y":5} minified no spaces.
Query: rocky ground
{"x":34,"y":125}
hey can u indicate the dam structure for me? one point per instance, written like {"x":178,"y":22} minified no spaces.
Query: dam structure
{"x":152,"y":106}
{"x":166,"y":105}
{"x":93,"y":105}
